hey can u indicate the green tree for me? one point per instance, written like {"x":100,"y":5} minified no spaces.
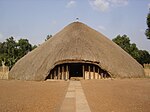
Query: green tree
{"x":1,"y":53}
{"x":11,"y":51}
{"x":142,"y":56}
{"x":147,"y":32}
{"x":123,"y":42}
{"x":24,"y":47}
{"x":48,"y":37}
{"x":34,"y":46}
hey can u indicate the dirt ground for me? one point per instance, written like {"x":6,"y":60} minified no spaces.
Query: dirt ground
{"x":30,"y":96}
{"x":119,"y":95}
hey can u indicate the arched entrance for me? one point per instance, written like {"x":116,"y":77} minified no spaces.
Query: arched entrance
{"x":82,"y":70}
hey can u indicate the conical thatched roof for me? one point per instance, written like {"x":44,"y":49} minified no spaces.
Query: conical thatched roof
{"x":76,"y":43}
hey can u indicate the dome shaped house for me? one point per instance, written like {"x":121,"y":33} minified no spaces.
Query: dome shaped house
{"x":76,"y":51}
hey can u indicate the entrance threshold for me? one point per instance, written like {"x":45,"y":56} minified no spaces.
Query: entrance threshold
{"x":76,"y":78}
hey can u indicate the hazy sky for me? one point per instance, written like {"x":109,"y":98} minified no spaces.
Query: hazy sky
{"x":35,"y":19}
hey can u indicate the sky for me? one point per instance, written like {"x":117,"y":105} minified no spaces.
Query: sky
{"x":35,"y":19}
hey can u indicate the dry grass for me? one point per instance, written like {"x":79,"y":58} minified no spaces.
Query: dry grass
{"x":29,"y":96}
{"x":126,"y":95}
{"x":147,"y":72}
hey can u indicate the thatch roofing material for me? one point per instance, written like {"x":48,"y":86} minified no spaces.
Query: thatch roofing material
{"x":76,"y":42}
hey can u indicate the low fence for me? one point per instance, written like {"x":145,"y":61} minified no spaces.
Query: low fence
{"x":4,"y":70}
{"x":147,"y":66}
{"x":147,"y":69}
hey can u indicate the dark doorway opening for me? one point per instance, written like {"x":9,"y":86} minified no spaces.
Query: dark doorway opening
{"x":75,"y":70}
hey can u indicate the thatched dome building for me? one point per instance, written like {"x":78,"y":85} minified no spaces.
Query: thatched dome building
{"x":76,"y":51}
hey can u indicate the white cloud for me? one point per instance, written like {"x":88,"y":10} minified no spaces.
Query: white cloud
{"x":101,"y":5}
{"x":104,"y":5}
{"x":71,"y":4}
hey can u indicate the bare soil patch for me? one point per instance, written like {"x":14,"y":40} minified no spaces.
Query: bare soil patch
{"x":30,"y":96}
{"x":119,"y":95}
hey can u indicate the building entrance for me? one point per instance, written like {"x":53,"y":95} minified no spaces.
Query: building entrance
{"x":75,"y":70}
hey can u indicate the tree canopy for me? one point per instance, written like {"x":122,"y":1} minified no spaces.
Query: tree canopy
{"x":11,"y":50}
{"x":142,"y":56}
{"x":147,"y":32}
{"x":48,"y":37}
